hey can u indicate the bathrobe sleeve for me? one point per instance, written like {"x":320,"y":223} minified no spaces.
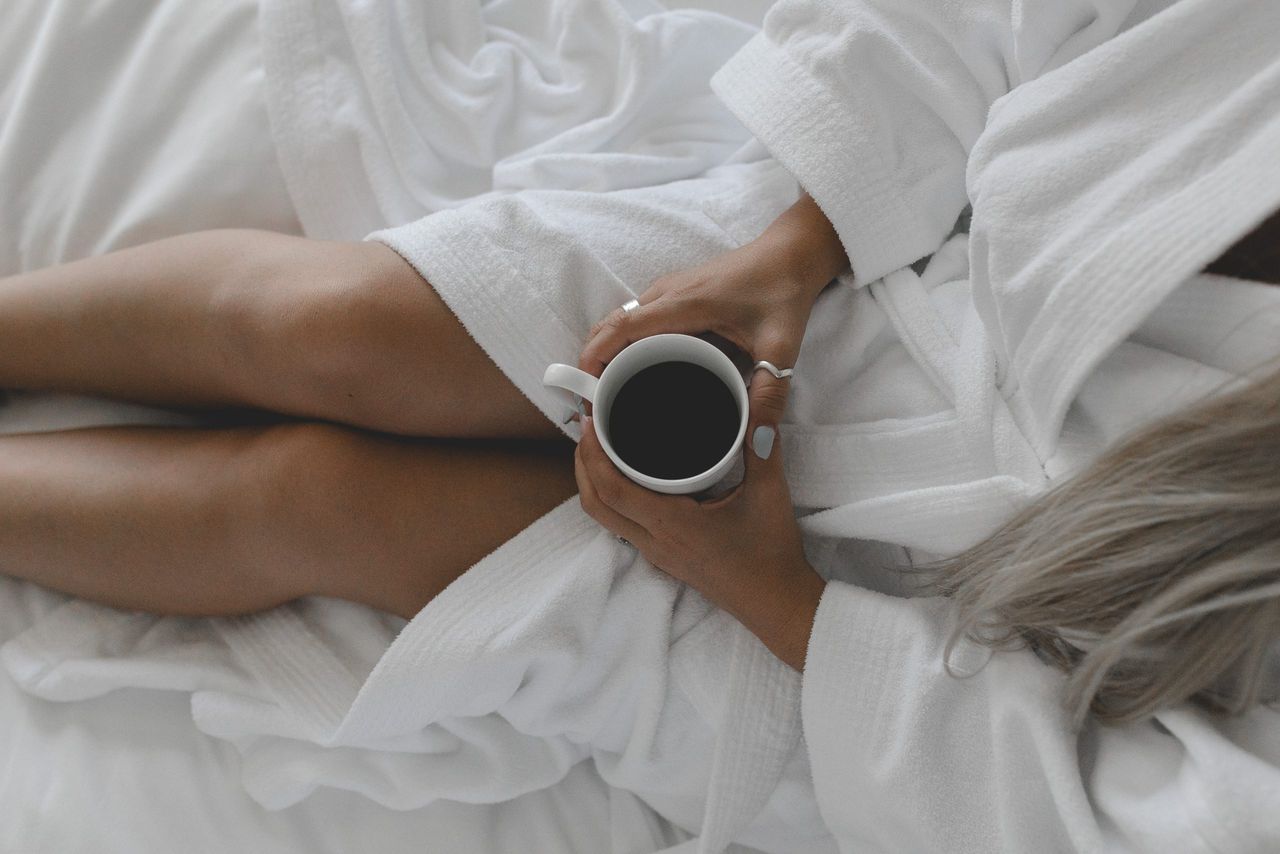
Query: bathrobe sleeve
{"x":874,"y":105}
{"x":907,"y":757}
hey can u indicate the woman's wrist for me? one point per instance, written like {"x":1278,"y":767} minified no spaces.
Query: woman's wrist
{"x":806,"y":245}
{"x":779,"y":609}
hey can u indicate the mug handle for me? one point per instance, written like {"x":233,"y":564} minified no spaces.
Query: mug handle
{"x":570,"y":378}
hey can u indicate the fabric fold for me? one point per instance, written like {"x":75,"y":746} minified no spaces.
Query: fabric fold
{"x":816,"y":134}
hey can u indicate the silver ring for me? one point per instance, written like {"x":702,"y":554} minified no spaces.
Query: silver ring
{"x":780,"y":373}
{"x":578,"y":409}
{"x":630,"y":306}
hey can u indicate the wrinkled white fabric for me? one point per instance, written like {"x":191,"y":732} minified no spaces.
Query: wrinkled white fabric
{"x":129,"y":773}
{"x":122,"y":123}
{"x":385,"y":112}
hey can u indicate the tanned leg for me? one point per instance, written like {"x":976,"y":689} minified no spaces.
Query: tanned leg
{"x":347,"y":332}
{"x":216,"y":522}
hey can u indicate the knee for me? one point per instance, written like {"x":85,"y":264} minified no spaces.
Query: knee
{"x":295,"y":495}
{"x":307,"y":324}
{"x":303,"y":472}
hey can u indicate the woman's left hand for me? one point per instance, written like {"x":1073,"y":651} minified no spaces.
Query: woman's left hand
{"x":742,"y":550}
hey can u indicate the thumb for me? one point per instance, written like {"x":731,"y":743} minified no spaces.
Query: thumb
{"x":768,"y":402}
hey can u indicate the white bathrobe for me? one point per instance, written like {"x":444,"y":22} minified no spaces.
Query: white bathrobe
{"x":1109,"y":150}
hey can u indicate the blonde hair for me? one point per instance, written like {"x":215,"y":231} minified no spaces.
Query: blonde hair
{"x":1153,"y":577}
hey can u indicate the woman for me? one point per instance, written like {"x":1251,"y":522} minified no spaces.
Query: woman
{"x":1014,"y":334}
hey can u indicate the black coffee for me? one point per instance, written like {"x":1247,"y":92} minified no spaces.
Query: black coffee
{"x":673,"y":420}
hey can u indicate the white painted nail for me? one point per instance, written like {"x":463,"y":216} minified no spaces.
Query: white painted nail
{"x":762,"y":441}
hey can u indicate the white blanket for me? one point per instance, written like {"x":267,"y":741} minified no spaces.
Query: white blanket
{"x":128,"y":773}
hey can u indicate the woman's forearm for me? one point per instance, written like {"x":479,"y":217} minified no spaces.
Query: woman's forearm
{"x":779,"y":609}
{"x":804,"y":235}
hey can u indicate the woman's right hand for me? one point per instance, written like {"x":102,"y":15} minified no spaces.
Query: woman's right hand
{"x":757,"y":296}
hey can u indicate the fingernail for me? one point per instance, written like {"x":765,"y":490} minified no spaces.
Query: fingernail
{"x":762,"y":441}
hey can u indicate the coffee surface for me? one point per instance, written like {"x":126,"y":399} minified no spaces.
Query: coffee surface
{"x":673,"y":420}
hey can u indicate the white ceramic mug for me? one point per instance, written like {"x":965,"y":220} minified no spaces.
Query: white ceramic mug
{"x":669,"y":347}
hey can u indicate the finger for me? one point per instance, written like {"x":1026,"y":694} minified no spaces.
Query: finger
{"x":593,"y":358}
{"x":767,"y":397}
{"x":764,"y":481}
{"x":644,"y":506}
{"x":604,"y":514}
{"x":620,"y":328}
{"x":763,"y":454}
{"x":728,"y":498}
{"x":651,"y":294}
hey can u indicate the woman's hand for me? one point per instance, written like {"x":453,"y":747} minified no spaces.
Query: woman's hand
{"x":742,"y":551}
{"x":757,"y":296}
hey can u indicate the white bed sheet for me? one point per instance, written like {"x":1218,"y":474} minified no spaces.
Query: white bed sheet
{"x":129,"y":773}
